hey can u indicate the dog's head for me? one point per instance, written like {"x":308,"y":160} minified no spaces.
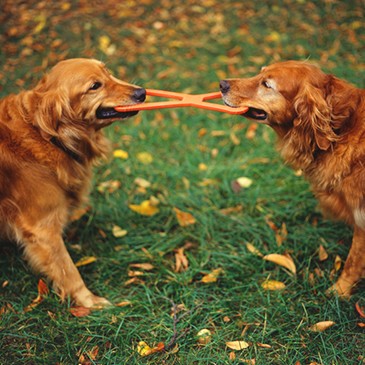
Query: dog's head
{"x":82,"y":91}
{"x":292,"y":97}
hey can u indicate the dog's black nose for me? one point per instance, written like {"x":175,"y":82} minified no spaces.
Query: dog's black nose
{"x":139,"y":95}
{"x":224,"y":86}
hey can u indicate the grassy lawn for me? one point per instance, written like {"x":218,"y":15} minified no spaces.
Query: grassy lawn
{"x":191,"y":158}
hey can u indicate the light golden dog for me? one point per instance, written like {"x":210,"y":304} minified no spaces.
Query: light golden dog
{"x":49,"y":139}
{"x":320,"y":123}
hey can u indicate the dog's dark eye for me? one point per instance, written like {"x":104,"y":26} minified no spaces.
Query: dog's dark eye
{"x":95,"y":85}
{"x":266,"y":84}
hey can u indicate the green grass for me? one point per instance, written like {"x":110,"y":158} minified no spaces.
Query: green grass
{"x":196,"y":46}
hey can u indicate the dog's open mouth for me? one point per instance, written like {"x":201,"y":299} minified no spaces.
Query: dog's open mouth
{"x":257,"y":114}
{"x":107,"y":113}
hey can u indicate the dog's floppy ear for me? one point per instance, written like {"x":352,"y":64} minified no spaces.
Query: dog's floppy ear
{"x":52,"y":107}
{"x":314,"y":117}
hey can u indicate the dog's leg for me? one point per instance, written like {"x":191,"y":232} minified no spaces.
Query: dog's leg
{"x":46,"y":252}
{"x":354,"y":268}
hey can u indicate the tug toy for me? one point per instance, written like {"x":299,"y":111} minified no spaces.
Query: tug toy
{"x":182,"y":100}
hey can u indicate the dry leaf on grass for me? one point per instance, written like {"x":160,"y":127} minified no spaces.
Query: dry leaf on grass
{"x":250,"y":247}
{"x":120,"y":154}
{"x":241,"y":183}
{"x":80,"y":311}
{"x":42,"y":292}
{"x":85,"y":261}
{"x":322,"y":253}
{"x":204,"y":336}
{"x":144,"y":157}
{"x":145,"y":208}
{"x":181,"y":261}
{"x":237,"y":345}
{"x":321,"y":326}
{"x":143,"y":266}
{"x":184,"y":218}
{"x":144,"y":350}
{"x":282,"y":261}
{"x":273,"y":285}
{"x":108,"y":186}
{"x":119,"y":232}
{"x":212,"y":277}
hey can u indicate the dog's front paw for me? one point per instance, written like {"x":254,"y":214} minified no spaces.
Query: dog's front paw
{"x":88,"y":300}
{"x":340,"y":288}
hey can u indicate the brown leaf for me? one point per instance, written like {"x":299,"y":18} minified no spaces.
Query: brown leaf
{"x":184,"y":218}
{"x":181,"y":261}
{"x":360,"y":309}
{"x":42,"y":292}
{"x":80,"y":311}
{"x":322,"y":253}
{"x":143,"y":266}
{"x":321,"y":326}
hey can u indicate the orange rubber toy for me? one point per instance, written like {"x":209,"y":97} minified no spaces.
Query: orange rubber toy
{"x":182,"y":100}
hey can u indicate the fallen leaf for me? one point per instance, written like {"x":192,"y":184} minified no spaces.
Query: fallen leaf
{"x":241,"y":183}
{"x":144,"y":350}
{"x":338,"y":263}
{"x":143,"y":266}
{"x":212,"y":277}
{"x":124,"y":303}
{"x":360,"y":309}
{"x":118,"y":231}
{"x":80,"y":311}
{"x":273,"y":285}
{"x":121,"y":154}
{"x":42,"y":292}
{"x":203,"y":167}
{"x":250,"y":247}
{"x":86,"y":261}
{"x":181,"y":261}
{"x":237,"y":345}
{"x":143,"y":183}
{"x":321,"y":326}
{"x":282,"y":261}
{"x":144,"y":157}
{"x":322,"y":253}
{"x":251,"y":131}
{"x":204,"y":336}
{"x":263,"y":345}
{"x":230,"y":210}
{"x":184,"y":218}
{"x":145,"y":208}
{"x":108,"y":186}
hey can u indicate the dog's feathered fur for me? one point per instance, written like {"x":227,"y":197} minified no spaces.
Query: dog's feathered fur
{"x":320,"y":122}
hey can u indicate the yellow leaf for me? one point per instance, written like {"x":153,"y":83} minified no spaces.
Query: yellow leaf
{"x":144,"y":350}
{"x":144,"y":157}
{"x":273,"y":285}
{"x":119,"y":232}
{"x":282,"y":261}
{"x":212,"y":277}
{"x":338,"y":262}
{"x":145,"y":208}
{"x":85,"y":261}
{"x":120,"y":154}
{"x":321,"y":326}
{"x":237,"y":345}
{"x":244,"y":182}
{"x":184,"y":219}
{"x":203,"y":167}
{"x":204,"y":336}
{"x":253,"y":249}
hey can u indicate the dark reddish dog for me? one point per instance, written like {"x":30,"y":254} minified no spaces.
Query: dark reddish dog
{"x":320,"y":123}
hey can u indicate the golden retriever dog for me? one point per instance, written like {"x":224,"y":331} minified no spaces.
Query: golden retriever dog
{"x":50,"y":137}
{"x":320,"y":123}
